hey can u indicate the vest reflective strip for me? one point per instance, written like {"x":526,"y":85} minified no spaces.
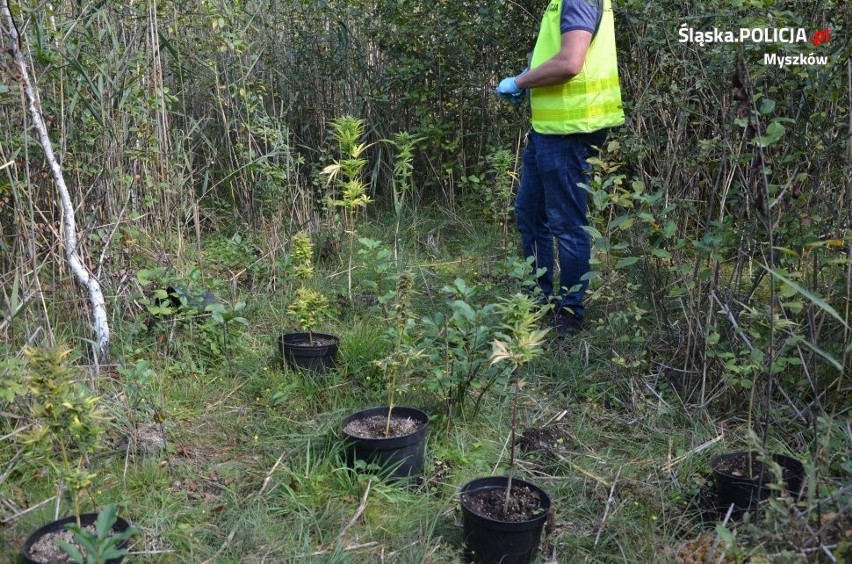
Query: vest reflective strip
{"x":573,"y":88}
{"x":589,"y":112}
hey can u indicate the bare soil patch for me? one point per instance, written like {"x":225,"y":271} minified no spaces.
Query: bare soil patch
{"x":544,"y":439}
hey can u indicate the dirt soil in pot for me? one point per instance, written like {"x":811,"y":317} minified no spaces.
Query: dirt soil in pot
{"x":524,"y":503}
{"x":374,"y":427}
{"x":46,"y":550}
{"x":319,"y":341}
{"x":740,"y":467}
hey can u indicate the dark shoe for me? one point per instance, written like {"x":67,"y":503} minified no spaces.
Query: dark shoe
{"x":566,"y":323}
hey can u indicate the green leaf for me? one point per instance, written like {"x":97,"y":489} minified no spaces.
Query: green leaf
{"x":106,"y":519}
{"x":159,"y":310}
{"x":622,"y":222}
{"x":774,"y":132}
{"x":592,"y":231}
{"x":464,"y":309}
{"x":626,"y":261}
{"x":676,"y":291}
{"x":830,"y":359}
{"x":72,"y":551}
{"x":724,"y":534}
{"x":766,"y":106}
{"x":816,"y":300}
{"x":111,"y":553}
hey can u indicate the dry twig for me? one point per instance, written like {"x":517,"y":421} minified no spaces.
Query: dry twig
{"x":361,"y":507}
{"x":606,"y":508}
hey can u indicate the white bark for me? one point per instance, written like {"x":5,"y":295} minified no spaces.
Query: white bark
{"x":72,"y":248}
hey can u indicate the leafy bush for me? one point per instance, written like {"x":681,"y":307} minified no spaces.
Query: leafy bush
{"x":457,"y":344}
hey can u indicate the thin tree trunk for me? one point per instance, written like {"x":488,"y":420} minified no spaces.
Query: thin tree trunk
{"x":512,"y":449}
{"x":72,"y":250}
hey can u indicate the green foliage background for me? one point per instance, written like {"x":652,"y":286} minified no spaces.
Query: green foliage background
{"x":193,"y":136}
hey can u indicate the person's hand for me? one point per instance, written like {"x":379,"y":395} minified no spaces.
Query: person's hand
{"x":509,"y":91}
{"x":507,"y":87}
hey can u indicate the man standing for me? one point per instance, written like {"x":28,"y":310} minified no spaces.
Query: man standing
{"x":575,"y":98}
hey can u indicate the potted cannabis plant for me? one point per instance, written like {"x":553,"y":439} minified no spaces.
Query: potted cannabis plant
{"x":392,"y":437}
{"x":349,"y":190}
{"x":745,"y":478}
{"x":307,"y":348}
{"x":502,"y":515}
{"x":65,"y":428}
{"x":89,"y":538}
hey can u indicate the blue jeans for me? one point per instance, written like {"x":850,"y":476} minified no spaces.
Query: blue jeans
{"x":550,"y":204}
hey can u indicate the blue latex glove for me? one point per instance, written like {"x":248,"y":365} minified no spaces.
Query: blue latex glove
{"x":509,"y":91}
{"x":508,"y":87}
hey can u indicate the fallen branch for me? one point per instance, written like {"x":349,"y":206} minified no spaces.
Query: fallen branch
{"x":271,"y":472}
{"x":582,"y":471}
{"x":11,"y":518}
{"x":358,"y":512}
{"x":345,"y":549}
{"x":716,"y":541}
{"x":704,"y":446}
{"x":606,"y":508}
{"x":225,"y":544}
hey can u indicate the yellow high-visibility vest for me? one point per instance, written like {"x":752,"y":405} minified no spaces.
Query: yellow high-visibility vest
{"x":589,"y":101}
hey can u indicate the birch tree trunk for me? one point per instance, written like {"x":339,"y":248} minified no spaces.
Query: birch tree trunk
{"x":72,"y":249}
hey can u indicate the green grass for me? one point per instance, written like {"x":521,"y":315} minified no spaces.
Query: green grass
{"x":254,"y":468}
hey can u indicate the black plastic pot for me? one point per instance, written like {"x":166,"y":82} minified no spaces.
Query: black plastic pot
{"x":298,"y":352}
{"x":489,"y":540}
{"x":86,"y":519}
{"x":745,"y":492}
{"x":404,"y":454}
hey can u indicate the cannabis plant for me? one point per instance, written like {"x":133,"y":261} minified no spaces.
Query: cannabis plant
{"x":348,"y":171}
{"x":517,"y":343}
{"x":308,"y":309}
{"x":500,"y":196}
{"x":303,"y":255}
{"x":101,"y":546}
{"x":403,"y":353}
{"x":65,"y":420}
{"x":403,"y":169}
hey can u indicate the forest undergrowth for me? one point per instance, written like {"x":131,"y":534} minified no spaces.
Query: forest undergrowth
{"x":343,"y":167}
{"x":218,"y":452}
